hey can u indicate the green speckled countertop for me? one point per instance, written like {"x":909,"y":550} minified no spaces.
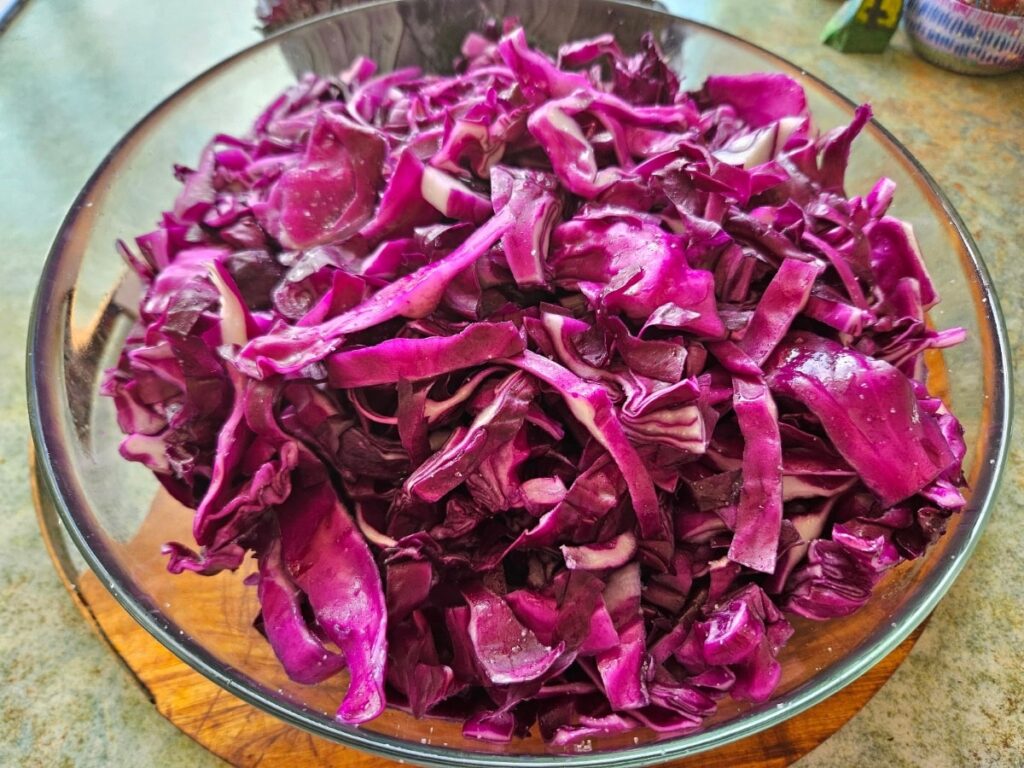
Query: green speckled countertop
{"x":75,"y":76}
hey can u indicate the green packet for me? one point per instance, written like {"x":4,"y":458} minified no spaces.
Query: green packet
{"x":863,"y":26}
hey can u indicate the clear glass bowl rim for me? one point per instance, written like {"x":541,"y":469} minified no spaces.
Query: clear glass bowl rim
{"x":51,"y":456}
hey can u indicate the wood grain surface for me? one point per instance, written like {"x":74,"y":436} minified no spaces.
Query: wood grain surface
{"x":246,"y":737}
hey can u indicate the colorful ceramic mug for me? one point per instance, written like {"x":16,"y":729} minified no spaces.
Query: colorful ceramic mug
{"x":963,"y":38}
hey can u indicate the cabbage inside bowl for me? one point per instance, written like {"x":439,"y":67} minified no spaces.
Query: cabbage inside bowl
{"x":114,"y":515}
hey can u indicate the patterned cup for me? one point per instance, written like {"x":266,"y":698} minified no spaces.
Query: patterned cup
{"x":965,"y":39}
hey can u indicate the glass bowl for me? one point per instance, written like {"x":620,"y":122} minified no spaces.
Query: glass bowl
{"x":112,"y":513}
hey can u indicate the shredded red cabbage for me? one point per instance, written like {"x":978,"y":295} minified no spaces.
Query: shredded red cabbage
{"x":540,"y":396}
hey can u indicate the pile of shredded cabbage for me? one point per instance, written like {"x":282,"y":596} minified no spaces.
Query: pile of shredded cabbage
{"x":543,"y":391}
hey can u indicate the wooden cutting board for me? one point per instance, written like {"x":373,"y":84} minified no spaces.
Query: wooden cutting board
{"x":246,"y":737}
